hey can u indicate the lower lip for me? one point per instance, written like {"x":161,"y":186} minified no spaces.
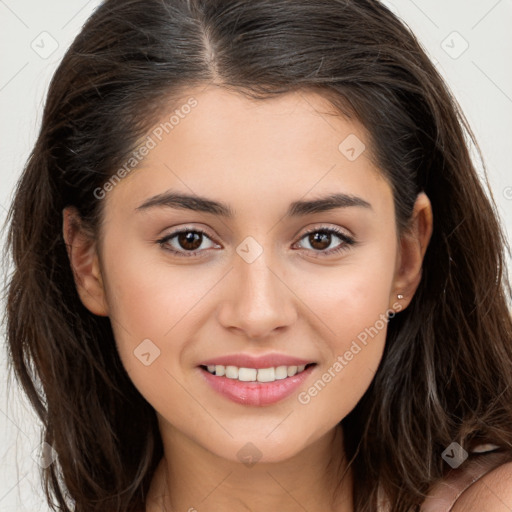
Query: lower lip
{"x":256,"y":393}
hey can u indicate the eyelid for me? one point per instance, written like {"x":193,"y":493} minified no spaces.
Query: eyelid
{"x":328,"y":227}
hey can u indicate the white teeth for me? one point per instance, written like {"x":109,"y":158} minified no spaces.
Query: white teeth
{"x":281,"y":372}
{"x":254,"y":374}
{"x":247,"y":374}
{"x":292,"y":370}
{"x":231,"y":372}
{"x":266,"y":375}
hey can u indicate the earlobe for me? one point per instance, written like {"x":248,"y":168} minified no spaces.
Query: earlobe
{"x":413,"y":245}
{"x":84,"y":261}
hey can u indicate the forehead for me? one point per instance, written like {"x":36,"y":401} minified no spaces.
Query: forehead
{"x":249,"y":151}
{"x":236,"y":121}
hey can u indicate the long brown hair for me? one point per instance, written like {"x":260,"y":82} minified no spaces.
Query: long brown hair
{"x":446,"y":372}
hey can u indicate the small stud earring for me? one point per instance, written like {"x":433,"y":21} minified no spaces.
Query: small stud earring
{"x":400,"y":296}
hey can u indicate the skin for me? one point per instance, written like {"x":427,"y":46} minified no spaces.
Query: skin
{"x":258,"y":157}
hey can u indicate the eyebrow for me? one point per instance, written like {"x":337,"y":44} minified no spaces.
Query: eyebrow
{"x":296,"y":209}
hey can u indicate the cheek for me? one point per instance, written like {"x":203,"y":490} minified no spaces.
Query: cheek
{"x":351,"y":297}
{"x":155,"y":309}
{"x":357,"y":322}
{"x":146,"y":296}
{"x":146,"y":305}
{"x":352,"y":303}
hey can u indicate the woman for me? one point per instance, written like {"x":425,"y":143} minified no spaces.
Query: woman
{"x":254,"y":268}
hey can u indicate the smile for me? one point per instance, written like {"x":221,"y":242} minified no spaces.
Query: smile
{"x":255,"y":374}
{"x":256,"y":386}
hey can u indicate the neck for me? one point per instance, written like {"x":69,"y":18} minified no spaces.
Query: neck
{"x":190,"y":478}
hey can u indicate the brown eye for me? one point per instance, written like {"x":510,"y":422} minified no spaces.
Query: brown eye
{"x":186,"y":242}
{"x":321,"y":238}
{"x":190,"y":240}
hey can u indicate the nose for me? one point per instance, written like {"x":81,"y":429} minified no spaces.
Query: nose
{"x":258,"y":302}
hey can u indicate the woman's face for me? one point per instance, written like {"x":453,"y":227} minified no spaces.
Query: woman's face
{"x":256,"y":284}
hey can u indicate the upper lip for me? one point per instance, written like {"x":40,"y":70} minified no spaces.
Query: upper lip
{"x":251,"y":361}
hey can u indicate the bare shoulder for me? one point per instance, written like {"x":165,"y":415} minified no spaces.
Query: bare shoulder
{"x":492,"y":492}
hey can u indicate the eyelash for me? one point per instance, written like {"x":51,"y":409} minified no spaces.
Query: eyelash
{"x":347,"y":241}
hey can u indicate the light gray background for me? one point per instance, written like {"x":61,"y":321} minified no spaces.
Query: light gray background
{"x":33,"y":38}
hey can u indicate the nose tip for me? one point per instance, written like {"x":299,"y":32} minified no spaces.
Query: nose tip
{"x":258,"y":302}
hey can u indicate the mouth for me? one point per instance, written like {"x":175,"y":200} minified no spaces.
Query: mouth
{"x":256,"y":386}
{"x":243,"y":374}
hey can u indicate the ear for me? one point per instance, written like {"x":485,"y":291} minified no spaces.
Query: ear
{"x":413,"y":245}
{"x":83,"y":256}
